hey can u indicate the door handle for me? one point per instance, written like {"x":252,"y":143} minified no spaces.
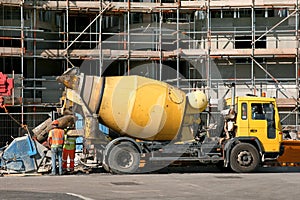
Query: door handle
{"x":253,"y":130}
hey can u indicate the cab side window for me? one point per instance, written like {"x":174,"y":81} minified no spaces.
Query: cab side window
{"x":257,"y":111}
{"x":265,"y":111}
{"x":270,"y":117}
{"x":244,"y":111}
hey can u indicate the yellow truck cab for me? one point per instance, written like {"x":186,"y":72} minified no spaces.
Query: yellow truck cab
{"x":257,"y":131}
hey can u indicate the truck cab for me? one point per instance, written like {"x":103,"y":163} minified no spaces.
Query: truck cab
{"x":257,"y":134}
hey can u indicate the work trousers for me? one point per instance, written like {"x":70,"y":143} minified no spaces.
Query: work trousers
{"x":71,"y":154}
{"x":56,"y":152}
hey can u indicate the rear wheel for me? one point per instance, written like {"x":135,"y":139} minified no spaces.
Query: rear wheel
{"x":244,"y":158}
{"x":124,"y":158}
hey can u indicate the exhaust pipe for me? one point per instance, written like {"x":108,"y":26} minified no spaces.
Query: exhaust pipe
{"x":233,"y":95}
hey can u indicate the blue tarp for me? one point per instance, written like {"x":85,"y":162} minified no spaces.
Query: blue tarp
{"x":19,"y":155}
{"x":79,"y":124}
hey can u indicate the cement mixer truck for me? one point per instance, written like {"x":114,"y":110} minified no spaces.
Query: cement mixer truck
{"x":153,"y":122}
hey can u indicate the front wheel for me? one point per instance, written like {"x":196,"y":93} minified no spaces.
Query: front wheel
{"x":124,"y":158}
{"x":244,"y":158}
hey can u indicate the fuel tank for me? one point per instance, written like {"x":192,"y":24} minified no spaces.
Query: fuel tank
{"x":138,"y":107}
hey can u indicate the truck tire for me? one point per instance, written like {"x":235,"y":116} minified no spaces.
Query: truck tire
{"x":244,"y":158}
{"x":124,"y":158}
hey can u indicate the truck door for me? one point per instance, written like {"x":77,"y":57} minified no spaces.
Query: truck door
{"x":262,"y":126}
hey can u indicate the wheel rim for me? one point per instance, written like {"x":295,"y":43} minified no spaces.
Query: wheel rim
{"x":244,"y":158}
{"x":124,"y":159}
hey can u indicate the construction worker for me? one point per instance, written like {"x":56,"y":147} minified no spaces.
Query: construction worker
{"x":229,"y":124}
{"x":56,"y":141}
{"x":69,"y":151}
{"x":229,"y":127}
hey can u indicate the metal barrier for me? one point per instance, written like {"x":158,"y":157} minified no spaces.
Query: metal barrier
{"x":10,"y":124}
{"x":290,"y":120}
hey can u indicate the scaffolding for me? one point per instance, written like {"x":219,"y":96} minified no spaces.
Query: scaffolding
{"x":203,"y":44}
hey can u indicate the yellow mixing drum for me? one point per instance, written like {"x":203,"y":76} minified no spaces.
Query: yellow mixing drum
{"x":142,"y":108}
{"x":135,"y":106}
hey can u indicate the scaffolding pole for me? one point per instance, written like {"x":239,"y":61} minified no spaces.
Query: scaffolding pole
{"x":67,"y":33}
{"x":22,"y":61}
{"x":88,"y":26}
{"x":253,"y":47}
{"x":297,"y":61}
{"x":177,"y":44}
{"x":100,"y":40}
{"x":276,"y":25}
{"x":128,"y":38}
{"x":208,"y":58}
{"x":34,"y":51}
{"x":160,"y":43}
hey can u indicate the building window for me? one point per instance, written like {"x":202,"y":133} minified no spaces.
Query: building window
{"x":244,"y":42}
{"x":281,"y":12}
{"x":244,"y":12}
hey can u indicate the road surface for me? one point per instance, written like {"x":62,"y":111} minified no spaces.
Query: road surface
{"x":206,"y":185}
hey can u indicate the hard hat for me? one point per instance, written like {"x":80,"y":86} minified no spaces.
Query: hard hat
{"x":55,"y":122}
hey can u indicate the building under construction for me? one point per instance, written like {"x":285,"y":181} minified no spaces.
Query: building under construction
{"x":202,"y":44}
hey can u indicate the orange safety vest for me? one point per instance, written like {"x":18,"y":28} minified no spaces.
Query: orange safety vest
{"x":57,"y":137}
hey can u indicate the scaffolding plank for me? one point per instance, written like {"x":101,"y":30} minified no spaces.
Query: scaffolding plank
{"x":94,"y":53}
{"x":10,"y":51}
{"x":249,"y":3}
{"x":153,"y":7}
{"x":287,"y":52}
{"x":286,"y":102}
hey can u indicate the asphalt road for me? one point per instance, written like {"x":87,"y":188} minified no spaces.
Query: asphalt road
{"x":204,"y":184}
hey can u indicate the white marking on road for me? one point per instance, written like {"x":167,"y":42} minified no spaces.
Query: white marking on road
{"x":79,"y":196}
{"x":135,"y":191}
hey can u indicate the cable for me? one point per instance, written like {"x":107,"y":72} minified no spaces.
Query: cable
{"x":24,"y":126}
